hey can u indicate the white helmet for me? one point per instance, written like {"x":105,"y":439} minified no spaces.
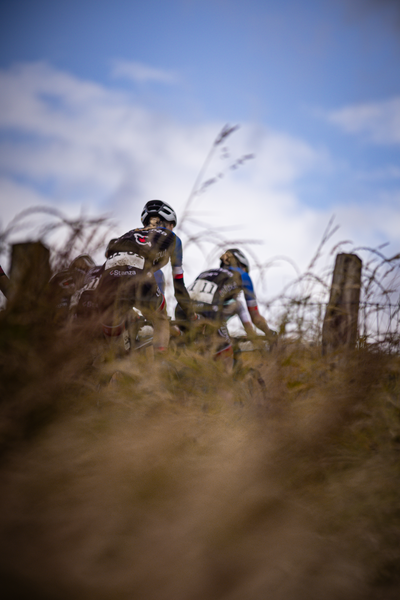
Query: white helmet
{"x":157,"y":208}
{"x":240,"y":257}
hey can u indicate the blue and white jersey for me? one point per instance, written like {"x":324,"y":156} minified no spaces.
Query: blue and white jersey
{"x":247,"y":287}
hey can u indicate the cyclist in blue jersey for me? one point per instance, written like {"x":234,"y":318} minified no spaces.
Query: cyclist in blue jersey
{"x":128,"y":276}
{"x":235,"y":260}
{"x":215,"y":298}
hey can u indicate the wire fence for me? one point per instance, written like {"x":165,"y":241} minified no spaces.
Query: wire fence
{"x":299,"y":315}
{"x":378,"y":324}
{"x":296,"y":313}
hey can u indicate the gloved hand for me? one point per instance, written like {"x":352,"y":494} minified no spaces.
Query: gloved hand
{"x":272,"y":337}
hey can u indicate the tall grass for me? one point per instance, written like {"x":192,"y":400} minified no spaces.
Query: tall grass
{"x":65,"y":236}
{"x":183,"y":483}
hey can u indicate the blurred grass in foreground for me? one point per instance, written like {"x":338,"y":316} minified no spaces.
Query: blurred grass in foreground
{"x":187,"y":484}
{"x":182,"y":485}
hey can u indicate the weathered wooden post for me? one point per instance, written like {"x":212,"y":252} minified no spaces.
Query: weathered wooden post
{"x":4,"y":282}
{"x":341,"y":317}
{"x":29,"y":276}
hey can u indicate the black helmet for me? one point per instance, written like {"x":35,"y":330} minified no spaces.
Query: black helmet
{"x":240,"y":257}
{"x":157,"y":208}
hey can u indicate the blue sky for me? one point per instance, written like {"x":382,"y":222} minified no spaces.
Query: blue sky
{"x":104,"y":105}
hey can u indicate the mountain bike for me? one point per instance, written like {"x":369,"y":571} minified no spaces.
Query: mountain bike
{"x":250,"y":355}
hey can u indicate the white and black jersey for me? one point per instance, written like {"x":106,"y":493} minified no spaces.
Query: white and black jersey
{"x":129,"y":271}
{"x":215,"y":287}
{"x":146,"y":250}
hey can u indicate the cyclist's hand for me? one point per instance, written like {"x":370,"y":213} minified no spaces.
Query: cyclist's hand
{"x":175,"y":331}
{"x":272,"y":337}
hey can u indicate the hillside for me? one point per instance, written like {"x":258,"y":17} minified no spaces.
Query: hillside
{"x":185,"y":484}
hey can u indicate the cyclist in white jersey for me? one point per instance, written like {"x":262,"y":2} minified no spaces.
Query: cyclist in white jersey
{"x":128,"y":276}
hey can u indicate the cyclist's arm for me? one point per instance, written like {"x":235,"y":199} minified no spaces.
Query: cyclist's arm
{"x":243,"y":314}
{"x":180,"y":291}
{"x":183,"y":298}
{"x":259,"y":320}
{"x":160,"y":279}
{"x":242,"y":311}
{"x":251,"y":302}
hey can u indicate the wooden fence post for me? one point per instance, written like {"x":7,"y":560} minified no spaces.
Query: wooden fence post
{"x":341,"y":317}
{"x":29,"y":275}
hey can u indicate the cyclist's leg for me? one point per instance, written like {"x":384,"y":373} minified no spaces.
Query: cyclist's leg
{"x":154,"y":308}
{"x":180,"y":318}
{"x":161,"y":331}
{"x":224,"y":350}
{"x":219,"y":340}
{"x":115,"y":296}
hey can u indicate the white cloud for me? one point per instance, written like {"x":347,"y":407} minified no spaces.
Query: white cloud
{"x":15,"y":198}
{"x":379,"y":121}
{"x":141,"y":73}
{"x":72,"y":143}
{"x":379,"y":221}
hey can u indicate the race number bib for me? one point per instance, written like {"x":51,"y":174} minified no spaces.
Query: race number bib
{"x":202,"y":291}
{"x":122,"y":259}
{"x":91,"y":286}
